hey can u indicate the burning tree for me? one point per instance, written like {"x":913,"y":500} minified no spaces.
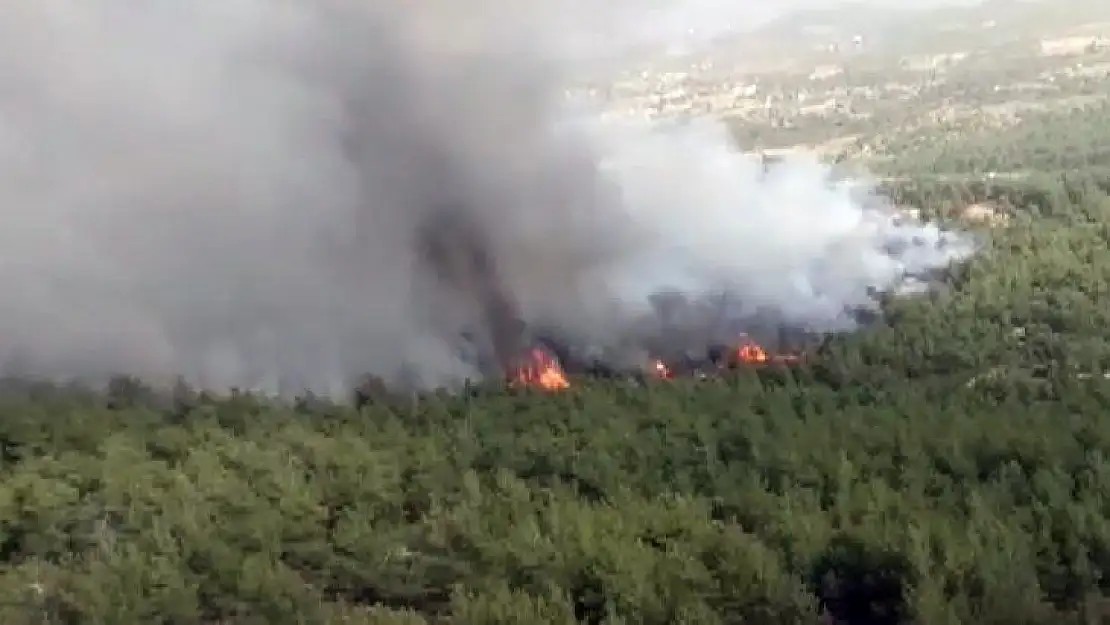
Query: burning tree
{"x":748,"y":352}
{"x":539,"y":369}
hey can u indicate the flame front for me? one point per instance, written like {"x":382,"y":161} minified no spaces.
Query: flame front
{"x":749,"y":352}
{"x":540,"y":370}
{"x":661,"y":370}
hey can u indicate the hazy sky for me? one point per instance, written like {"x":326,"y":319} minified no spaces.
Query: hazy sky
{"x":630,"y":24}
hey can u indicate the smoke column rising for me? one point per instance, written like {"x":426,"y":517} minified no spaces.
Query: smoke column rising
{"x":285,"y":195}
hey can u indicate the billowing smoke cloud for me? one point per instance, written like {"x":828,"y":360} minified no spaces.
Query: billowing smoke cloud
{"x":285,"y":195}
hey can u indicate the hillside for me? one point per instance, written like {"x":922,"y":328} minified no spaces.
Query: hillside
{"x":947,"y":463}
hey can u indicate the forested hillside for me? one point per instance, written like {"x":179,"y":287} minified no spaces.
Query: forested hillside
{"x":1055,"y":141}
{"x":946,"y":464}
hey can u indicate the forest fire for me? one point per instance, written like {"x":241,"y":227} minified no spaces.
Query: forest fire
{"x":660,"y":370}
{"x":540,"y":370}
{"x":748,"y":352}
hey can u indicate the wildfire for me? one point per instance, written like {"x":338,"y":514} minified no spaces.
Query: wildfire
{"x":660,"y":370}
{"x":540,"y":370}
{"x":748,"y":352}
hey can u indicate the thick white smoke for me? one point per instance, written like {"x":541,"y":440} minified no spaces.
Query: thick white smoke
{"x":786,"y":236}
{"x":237,"y":191}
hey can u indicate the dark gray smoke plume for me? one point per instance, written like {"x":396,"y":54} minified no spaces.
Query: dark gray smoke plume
{"x":283,"y":195}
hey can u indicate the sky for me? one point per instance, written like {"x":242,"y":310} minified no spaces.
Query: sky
{"x":672,"y":24}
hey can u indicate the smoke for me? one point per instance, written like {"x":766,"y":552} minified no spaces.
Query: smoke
{"x":283,"y":195}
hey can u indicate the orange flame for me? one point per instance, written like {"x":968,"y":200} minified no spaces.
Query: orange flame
{"x":540,"y":370}
{"x":749,"y":352}
{"x":660,"y":370}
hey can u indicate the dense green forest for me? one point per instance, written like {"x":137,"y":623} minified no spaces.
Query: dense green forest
{"x":949,"y":463}
{"x":1054,"y":141}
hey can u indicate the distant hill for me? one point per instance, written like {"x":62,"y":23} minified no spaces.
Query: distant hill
{"x":912,"y":30}
{"x":844,"y":20}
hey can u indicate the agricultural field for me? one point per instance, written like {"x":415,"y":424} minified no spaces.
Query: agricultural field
{"x":947,"y":463}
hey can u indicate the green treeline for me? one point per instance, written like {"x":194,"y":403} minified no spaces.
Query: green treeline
{"x":758,"y":499}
